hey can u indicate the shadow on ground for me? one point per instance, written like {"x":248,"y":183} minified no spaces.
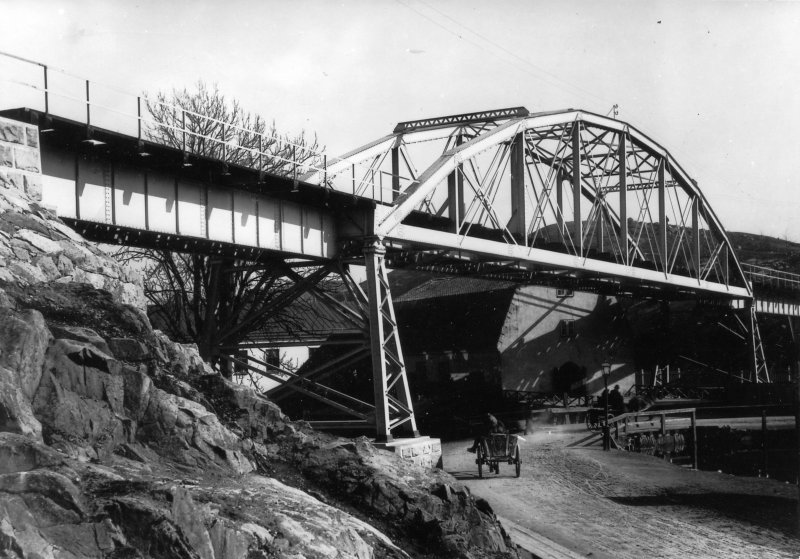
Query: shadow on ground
{"x":763,"y":511}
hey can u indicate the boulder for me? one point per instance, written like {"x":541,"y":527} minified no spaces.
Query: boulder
{"x":256,"y":416}
{"x":82,"y":368}
{"x":80,"y":401}
{"x":24,"y":338}
{"x":39,"y":241}
{"x":137,"y":386}
{"x":16,"y":414}
{"x":129,"y":349}
{"x":20,"y":453}
{"x":187,"y":432}
{"x":80,"y":334}
{"x":191,"y":518}
{"x":148,"y":529}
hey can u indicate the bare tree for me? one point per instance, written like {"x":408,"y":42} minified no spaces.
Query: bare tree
{"x":213,"y":302}
{"x":218,"y":303}
{"x":221,"y":129}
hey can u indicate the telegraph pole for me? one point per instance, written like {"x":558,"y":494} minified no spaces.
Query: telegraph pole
{"x":794,"y":328}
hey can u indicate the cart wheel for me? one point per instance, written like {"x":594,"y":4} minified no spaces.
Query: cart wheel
{"x":517,"y":461}
{"x":479,"y":460}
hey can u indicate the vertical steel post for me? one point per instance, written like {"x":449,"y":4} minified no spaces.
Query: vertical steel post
{"x":662,"y":216}
{"x":455,"y":194}
{"x":88,"y":110}
{"x":694,"y":438}
{"x":395,"y":172}
{"x":623,"y":198}
{"x":139,"y":119}
{"x":560,"y":206}
{"x":325,"y":169}
{"x":576,"y":188}
{"x":726,"y":266}
{"x":46,"y":93}
{"x":764,"y":450}
{"x":183,"y":131}
{"x":260,"y":153}
{"x":696,"y":235}
{"x":224,"y":144}
{"x":602,"y":214}
{"x":796,"y":338}
{"x":606,"y":432}
{"x":518,"y":224}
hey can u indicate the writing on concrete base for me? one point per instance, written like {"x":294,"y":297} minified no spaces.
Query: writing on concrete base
{"x":424,"y":451}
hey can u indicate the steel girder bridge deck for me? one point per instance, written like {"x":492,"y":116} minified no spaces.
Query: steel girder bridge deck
{"x":566,"y":198}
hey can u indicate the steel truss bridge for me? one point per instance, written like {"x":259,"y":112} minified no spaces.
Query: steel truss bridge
{"x":566,"y":198}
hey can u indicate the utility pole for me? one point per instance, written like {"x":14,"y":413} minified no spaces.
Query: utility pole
{"x":794,"y":328}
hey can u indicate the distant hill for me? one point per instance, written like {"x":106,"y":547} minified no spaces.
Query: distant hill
{"x":762,"y":250}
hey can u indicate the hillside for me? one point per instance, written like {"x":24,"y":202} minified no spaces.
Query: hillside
{"x":751,"y":248}
{"x":762,"y":250}
{"x":117,"y":442}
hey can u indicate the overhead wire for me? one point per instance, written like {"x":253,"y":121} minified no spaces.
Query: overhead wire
{"x":514,"y":55}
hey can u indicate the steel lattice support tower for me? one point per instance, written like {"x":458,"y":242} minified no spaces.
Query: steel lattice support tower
{"x":393,"y":406}
{"x":759,"y":363}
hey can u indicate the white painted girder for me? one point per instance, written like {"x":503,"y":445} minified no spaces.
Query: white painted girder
{"x":420,"y":236}
{"x":157,"y":201}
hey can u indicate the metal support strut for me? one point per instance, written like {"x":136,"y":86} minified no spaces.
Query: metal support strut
{"x":393,"y":406}
{"x":759,"y":363}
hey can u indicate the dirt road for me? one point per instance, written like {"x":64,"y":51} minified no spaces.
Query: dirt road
{"x":617,"y":505}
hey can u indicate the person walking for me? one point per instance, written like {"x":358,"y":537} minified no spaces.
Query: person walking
{"x":616,"y":402}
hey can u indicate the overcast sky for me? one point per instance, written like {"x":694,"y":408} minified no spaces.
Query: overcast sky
{"x":716,"y":83}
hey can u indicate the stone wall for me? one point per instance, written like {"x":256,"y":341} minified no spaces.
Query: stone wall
{"x":20,"y":159}
{"x":35,"y":246}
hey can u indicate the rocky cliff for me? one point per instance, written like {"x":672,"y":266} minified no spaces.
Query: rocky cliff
{"x":117,"y":442}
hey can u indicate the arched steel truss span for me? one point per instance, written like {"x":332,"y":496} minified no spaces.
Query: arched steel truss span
{"x":567,"y":193}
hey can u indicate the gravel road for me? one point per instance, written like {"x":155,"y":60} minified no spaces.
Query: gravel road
{"x":618,"y":505}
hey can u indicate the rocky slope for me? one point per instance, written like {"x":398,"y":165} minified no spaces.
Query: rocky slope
{"x":117,"y":442}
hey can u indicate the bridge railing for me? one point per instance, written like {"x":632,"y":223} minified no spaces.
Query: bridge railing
{"x":623,"y":426}
{"x":772,"y":279}
{"x":52,"y":91}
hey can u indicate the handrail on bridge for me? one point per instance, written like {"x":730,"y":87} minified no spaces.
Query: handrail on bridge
{"x":770,"y":277}
{"x":656,"y":421}
{"x":122,"y":111}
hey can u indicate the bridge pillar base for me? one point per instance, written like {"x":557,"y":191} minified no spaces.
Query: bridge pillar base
{"x":21,"y":164}
{"x":423,"y":451}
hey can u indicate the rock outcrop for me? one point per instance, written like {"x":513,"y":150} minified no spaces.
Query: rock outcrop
{"x":117,"y":442}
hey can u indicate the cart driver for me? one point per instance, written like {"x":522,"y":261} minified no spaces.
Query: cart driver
{"x":490,"y":426}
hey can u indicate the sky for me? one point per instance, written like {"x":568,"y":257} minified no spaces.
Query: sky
{"x":716,"y":83}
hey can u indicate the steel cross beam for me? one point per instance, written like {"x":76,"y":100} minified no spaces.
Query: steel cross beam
{"x":456,"y":120}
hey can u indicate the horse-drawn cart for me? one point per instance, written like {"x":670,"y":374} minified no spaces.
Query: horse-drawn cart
{"x":497,"y":448}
